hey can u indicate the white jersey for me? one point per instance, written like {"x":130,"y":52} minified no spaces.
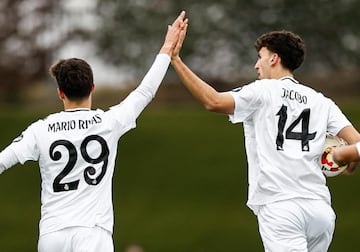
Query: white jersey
{"x":285,"y":124}
{"x":76,"y":150}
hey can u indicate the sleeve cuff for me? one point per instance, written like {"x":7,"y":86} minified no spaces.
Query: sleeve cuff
{"x":358,"y":148}
{"x":164,"y":56}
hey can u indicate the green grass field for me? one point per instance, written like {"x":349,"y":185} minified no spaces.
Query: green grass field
{"x":180,"y":185}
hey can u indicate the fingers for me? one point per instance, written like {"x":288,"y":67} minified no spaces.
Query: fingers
{"x":175,"y":35}
{"x":182,"y":36}
{"x":179,"y":20}
{"x":185,"y":23}
{"x":180,"y":40}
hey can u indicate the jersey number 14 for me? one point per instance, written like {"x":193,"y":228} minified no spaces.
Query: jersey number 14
{"x":304,"y":136}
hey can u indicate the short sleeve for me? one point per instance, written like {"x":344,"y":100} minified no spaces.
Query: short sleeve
{"x":337,"y":120}
{"x":24,"y":146}
{"x":247,"y":100}
{"x":124,"y":115}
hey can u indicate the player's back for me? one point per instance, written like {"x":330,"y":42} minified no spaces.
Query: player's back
{"x":76,"y":151}
{"x":284,"y":138}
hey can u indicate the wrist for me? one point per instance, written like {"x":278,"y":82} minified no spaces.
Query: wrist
{"x":166,"y":49}
{"x":175,"y":59}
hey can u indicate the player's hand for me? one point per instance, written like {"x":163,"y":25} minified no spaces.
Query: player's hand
{"x":350,"y":170}
{"x":182,"y":35}
{"x":172,"y":35}
{"x":351,"y":167}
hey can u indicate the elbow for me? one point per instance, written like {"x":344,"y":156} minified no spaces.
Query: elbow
{"x":216,"y":110}
{"x":216,"y":107}
{"x":220,"y":103}
{"x":212,"y":104}
{"x":210,"y":107}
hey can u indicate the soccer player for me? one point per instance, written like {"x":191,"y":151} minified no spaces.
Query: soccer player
{"x":76,"y":150}
{"x":285,"y":124}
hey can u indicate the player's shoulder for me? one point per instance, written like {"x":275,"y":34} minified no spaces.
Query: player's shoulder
{"x":257,"y":85}
{"x":39,"y":123}
{"x":266,"y":84}
{"x":313,"y":97}
{"x":263,"y":82}
{"x":49,"y":117}
{"x":320,"y":97}
{"x":35,"y":126}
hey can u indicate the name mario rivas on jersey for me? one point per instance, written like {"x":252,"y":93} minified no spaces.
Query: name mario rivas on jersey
{"x":74,"y":124}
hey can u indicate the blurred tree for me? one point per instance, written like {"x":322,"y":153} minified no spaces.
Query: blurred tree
{"x":23,"y":46}
{"x":30,"y":32}
{"x":128,"y":33}
{"x":222,"y":33}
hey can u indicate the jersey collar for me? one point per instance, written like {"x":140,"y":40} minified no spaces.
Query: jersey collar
{"x":77,"y":109}
{"x":289,"y":78}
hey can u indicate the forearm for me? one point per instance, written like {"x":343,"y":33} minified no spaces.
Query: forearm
{"x":203,"y":92}
{"x":197,"y":87}
{"x":349,"y":134}
{"x":346,"y":154}
{"x":145,"y":92}
{"x":152,"y":80}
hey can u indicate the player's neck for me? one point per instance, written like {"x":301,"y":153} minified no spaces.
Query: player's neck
{"x":281,"y":73}
{"x":77,"y":104}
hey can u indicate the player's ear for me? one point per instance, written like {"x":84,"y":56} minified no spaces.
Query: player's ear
{"x":274,"y":58}
{"x":93,"y":88}
{"x":60,"y":94}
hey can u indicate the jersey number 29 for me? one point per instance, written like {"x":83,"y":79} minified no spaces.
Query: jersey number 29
{"x":89,"y":172}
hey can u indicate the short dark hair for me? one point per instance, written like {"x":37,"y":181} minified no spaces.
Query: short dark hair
{"x":288,"y":45}
{"x":74,"y":77}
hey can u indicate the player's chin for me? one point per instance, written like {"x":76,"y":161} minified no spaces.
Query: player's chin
{"x":261,"y":76}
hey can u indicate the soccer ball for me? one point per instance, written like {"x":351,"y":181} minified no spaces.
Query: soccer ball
{"x":327,"y":164}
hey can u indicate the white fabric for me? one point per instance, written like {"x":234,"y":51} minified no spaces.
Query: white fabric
{"x":79,"y":239}
{"x":76,"y":150}
{"x":8,"y":158}
{"x":297,"y":225}
{"x":274,"y":113}
{"x":358,"y":148}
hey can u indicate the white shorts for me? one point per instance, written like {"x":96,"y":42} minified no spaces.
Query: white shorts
{"x":77,"y":239}
{"x":296,"y":225}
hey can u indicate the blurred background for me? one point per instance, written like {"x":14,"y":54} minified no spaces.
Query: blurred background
{"x":181,"y":180}
{"x":121,"y":38}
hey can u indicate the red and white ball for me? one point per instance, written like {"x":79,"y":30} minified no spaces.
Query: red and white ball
{"x":327,"y":164}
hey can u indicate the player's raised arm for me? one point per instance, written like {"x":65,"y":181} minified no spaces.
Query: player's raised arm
{"x":202,"y":91}
{"x":145,"y":92}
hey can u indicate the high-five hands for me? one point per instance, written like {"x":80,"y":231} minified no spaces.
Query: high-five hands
{"x":174,"y":33}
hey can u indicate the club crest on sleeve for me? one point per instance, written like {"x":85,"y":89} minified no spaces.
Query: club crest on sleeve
{"x":18,"y":139}
{"x":236,"y":89}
